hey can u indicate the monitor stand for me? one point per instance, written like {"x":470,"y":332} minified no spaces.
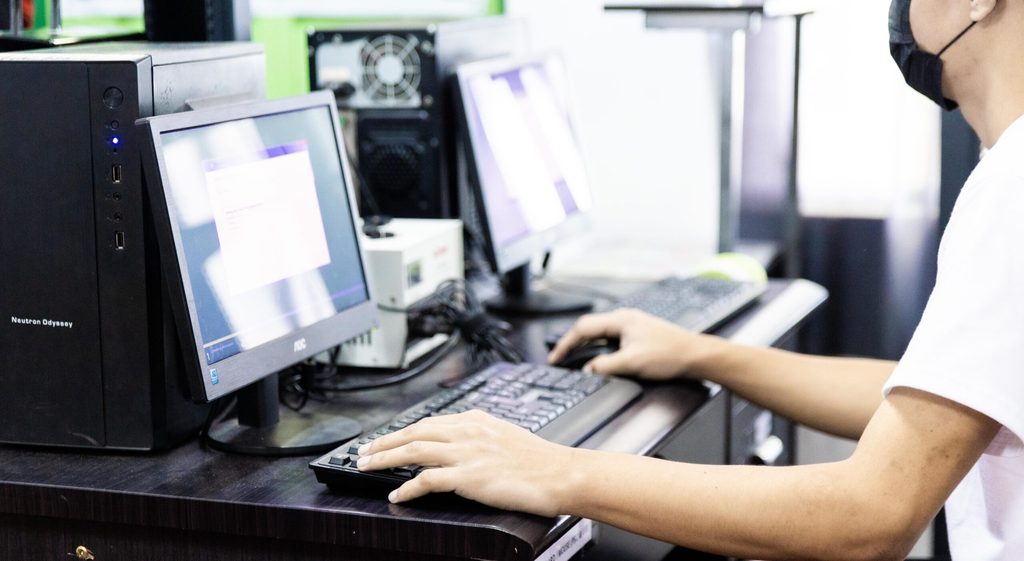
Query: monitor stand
{"x":263,"y":428}
{"x":519,"y":300}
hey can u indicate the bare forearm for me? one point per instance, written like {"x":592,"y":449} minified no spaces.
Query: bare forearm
{"x":807,"y":512}
{"x":836,"y":395}
{"x":872,"y":506}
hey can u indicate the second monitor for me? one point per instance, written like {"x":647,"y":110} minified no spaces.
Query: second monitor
{"x":526,"y":171}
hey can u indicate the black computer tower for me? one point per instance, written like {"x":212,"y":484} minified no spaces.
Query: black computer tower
{"x":395,"y":88}
{"x":8,"y":15}
{"x":88,"y":356}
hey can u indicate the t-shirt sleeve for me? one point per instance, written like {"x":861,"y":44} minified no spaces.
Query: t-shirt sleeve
{"x":969,"y":346}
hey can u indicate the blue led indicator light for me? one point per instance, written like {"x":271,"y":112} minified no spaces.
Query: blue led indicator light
{"x":115,"y":141}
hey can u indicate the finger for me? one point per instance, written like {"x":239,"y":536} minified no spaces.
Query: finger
{"x":434,"y":480}
{"x":591,"y":326}
{"x":440,"y":428}
{"x":421,"y":431}
{"x":620,"y":362}
{"x":454,"y":418}
{"x":418,"y":453}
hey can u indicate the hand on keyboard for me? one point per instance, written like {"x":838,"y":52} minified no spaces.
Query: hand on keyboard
{"x":478,"y":457}
{"x":649,"y":347}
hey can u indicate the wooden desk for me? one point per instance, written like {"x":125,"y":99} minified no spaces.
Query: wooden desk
{"x":200,"y":505}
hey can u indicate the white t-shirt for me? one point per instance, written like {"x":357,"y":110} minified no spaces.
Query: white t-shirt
{"x":969,"y":348}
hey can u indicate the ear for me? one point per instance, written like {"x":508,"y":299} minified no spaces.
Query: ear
{"x":980,"y":9}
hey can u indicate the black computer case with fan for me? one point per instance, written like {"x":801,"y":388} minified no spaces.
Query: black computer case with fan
{"x":394,"y":87}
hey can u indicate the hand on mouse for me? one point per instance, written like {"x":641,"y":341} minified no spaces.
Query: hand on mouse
{"x":649,"y":347}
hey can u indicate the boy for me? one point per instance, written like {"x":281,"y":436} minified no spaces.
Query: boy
{"x":944,"y":425}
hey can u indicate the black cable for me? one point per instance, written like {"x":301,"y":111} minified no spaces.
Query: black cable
{"x":219,"y":410}
{"x":425,"y":364}
{"x":474,"y":258}
{"x":364,"y":189}
{"x":306,"y":373}
{"x":453,"y":309}
{"x":544,"y":265}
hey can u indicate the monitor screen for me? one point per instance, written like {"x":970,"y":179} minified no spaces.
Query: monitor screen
{"x":263,"y":235}
{"x":528,"y":163}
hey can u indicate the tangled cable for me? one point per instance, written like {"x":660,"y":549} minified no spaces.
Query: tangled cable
{"x":452,"y":309}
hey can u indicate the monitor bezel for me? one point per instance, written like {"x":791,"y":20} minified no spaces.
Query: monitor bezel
{"x":253,"y":365}
{"x":523,"y":250}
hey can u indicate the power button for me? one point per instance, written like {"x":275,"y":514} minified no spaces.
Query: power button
{"x":113,"y":98}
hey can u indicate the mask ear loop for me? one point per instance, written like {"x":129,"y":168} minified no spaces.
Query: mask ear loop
{"x":957,"y":38}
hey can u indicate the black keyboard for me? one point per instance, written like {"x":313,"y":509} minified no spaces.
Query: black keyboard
{"x":559,"y":405}
{"x":695,"y":303}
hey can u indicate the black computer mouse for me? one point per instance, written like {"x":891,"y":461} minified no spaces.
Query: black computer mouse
{"x":578,"y":357}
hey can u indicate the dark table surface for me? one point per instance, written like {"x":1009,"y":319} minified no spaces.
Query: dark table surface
{"x":193,"y":489}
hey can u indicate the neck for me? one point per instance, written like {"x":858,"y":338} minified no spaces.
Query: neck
{"x":996,"y":96}
{"x":993,"y":114}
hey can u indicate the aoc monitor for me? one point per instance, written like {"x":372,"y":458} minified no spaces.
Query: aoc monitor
{"x":526,"y":170}
{"x":256,"y":226}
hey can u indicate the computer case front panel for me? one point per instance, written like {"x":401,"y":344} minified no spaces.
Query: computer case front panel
{"x":50,"y":360}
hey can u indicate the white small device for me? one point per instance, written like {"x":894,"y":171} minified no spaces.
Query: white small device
{"x":405,"y":264}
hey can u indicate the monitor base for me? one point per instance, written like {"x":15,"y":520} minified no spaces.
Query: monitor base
{"x":519,"y":299}
{"x":538,"y":304}
{"x":296,"y":434}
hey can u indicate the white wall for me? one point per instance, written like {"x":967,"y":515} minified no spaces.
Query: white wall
{"x":649,"y":117}
{"x":868,"y":143}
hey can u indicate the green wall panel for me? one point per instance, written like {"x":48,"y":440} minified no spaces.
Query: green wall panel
{"x":42,"y":14}
{"x":284,"y":40}
{"x":126,"y":23}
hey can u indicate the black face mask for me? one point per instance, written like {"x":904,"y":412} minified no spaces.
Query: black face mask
{"x":921,"y":70}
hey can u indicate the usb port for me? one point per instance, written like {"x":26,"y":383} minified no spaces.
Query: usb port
{"x":115,"y":173}
{"x":119,"y":241}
